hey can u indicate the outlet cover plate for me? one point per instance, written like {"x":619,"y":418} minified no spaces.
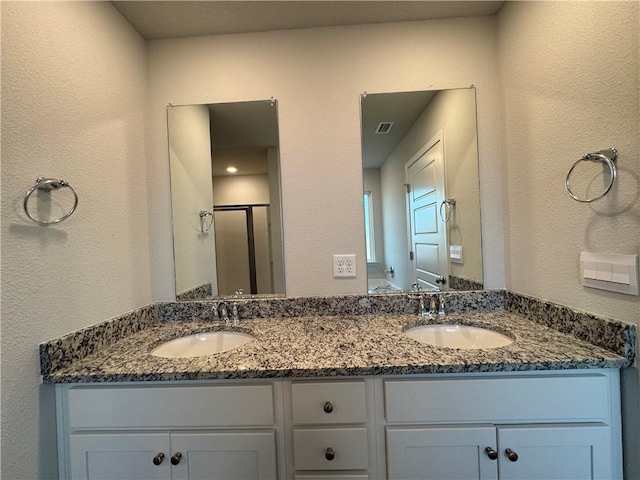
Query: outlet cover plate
{"x":344,"y":265}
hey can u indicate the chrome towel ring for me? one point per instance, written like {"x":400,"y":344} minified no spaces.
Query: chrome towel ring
{"x":204,"y":225}
{"x":450,"y":203}
{"x":607,"y":157}
{"x":47,"y":185}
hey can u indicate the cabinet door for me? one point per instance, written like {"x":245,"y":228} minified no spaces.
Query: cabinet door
{"x":562,"y":452}
{"x":121,"y":456}
{"x":443,"y":453}
{"x":245,"y":455}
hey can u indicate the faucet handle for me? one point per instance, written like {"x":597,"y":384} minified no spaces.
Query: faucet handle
{"x":422,"y":309}
{"x":433,"y":304}
{"x":223,"y":311}
{"x":214,"y":312}
{"x":441,"y":301}
{"x":235,"y":318}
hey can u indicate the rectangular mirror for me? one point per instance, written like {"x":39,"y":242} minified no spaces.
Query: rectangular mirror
{"x":225,"y":199}
{"x":421,"y":191}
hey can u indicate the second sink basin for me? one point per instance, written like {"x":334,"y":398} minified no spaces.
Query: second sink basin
{"x":464,"y":337}
{"x":199,"y":344}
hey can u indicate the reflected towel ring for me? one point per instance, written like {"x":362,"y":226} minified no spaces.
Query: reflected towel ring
{"x":450,"y":203}
{"x":46,"y":185}
{"x":607,"y":157}
{"x":203,"y":221}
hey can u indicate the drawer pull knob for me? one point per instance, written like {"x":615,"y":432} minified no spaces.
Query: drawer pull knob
{"x":491,"y":453}
{"x":157,"y":460}
{"x":511,"y":455}
{"x":329,"y":454}
{"x":328,"y":408}
{"x":175,"y":460}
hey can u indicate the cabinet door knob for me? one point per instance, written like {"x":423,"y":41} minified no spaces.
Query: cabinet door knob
{"x":491,"y":453}
{"x":511,"y":455}
{"x":329,"y":454}
{"x":175,"y":460}
{"x":328,"y":407}
{"x":157,"y":460}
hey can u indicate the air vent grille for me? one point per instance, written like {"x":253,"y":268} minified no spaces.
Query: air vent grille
{"x":384,"y":127}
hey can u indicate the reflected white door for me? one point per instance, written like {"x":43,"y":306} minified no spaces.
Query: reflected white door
{"x":424,"y":175}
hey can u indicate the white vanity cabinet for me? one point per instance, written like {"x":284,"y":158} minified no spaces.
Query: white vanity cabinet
{"x":213,"y":431}
{"x":543,"y":425}
{"x":330,"y":429}
{"x":519,"y":426}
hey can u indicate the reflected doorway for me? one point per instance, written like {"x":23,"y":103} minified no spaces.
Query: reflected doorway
{"x":243,"y":249}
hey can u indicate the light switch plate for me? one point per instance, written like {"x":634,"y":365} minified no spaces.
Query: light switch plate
{"x":455,"y":253}
{"x":610,"y":271}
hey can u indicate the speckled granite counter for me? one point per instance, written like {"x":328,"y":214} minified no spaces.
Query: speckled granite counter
{"x":349,"y":344}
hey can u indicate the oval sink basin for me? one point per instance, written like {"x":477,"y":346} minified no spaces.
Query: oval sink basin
{"x":205,"y":343}
{"x":458,"y":336}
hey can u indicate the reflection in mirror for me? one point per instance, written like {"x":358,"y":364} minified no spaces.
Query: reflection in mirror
{"x":421,"y":191}
{"x":225,"y":199}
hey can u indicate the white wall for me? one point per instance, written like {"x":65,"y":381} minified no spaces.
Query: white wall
{"x":191,"y":192}
{"x":570,"y":74}
{"x":317,"y":76}
{"x":73,"y":107}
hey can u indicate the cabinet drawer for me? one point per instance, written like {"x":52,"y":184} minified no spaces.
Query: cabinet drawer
{"x":329,"y":403}
{"x":348,"y":445}
{"x":526,"y":398}
{"x":171,"y":406}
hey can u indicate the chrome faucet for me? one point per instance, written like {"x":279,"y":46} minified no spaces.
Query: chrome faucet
{"x":436,"y":306}
{"x":220,"y":312}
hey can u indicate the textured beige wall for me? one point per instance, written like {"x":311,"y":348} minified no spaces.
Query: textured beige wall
{"x":317,"y":76}
{"x":570,"y":77}
{"x":565,"y":93}
{"x":73,"y":107}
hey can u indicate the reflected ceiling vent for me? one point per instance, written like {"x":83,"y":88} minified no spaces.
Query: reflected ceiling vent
{"x":384,"y":127}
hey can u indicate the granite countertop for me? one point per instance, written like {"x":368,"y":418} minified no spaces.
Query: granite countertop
{"x":320,"y":346}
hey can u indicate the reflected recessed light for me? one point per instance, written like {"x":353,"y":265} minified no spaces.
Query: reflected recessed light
{"x":232,"y":169}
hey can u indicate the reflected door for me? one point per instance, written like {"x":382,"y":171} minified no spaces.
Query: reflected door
{"x":243,"y":251}
{"x":427,"y":232}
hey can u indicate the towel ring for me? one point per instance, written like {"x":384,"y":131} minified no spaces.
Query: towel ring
{"x":46,"y":185}
{"x":608,"y":157}
{"x":204,"y":225}
{"x":450,"y":203}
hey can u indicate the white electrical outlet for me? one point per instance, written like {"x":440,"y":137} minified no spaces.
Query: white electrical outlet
{"x":344,"y":265}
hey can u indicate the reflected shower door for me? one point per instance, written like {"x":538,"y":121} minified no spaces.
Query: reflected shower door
{"x":243,"y":251}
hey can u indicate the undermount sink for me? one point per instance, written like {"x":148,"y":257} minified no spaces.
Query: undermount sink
{"x":199,"y":344}
{"x":464,"y":337}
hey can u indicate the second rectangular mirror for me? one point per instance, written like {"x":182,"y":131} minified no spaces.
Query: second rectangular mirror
{"x":225,"y":196}
{"x":421,"y":198}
